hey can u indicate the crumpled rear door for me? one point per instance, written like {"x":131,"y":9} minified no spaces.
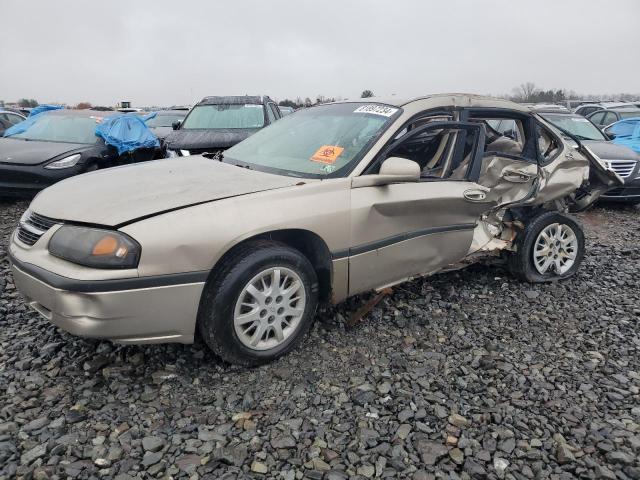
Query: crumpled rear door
{"x":508,"y":179}
{"x":601,"y":179}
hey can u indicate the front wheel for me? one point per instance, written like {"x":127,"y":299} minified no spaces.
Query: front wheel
{"x":259,"y":304}
{"x":550,"y":248}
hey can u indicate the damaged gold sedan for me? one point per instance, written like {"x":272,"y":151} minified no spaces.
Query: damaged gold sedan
{"x":326,"y":203}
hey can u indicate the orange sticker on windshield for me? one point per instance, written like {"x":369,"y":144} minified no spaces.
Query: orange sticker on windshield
{"x":327,"y":154}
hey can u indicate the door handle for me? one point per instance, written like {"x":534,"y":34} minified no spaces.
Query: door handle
{"x":515,"y":176}
{"x":475,"y":195}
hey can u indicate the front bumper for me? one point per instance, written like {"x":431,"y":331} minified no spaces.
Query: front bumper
{"x":27,"y":180}
{"x":629,"y":191}
{"x":156,"y":314}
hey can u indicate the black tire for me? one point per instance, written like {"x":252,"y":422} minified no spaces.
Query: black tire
{"x":216,"y":312}
{"x":521,"y":261}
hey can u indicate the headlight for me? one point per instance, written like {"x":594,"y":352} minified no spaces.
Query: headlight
{"x":185,"y":153}
{"x":66,"y":162}
{"x":94,"y":247}
{"x":172,"y":154}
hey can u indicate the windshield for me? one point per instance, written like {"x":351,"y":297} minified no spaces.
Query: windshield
{"x":578,"y":126}
{"x":164,"y":120}
{"x":315,"y":142}
{"x":61,"y":128}
{"x":225,"y":116}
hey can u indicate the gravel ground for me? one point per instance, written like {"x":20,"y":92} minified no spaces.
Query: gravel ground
{"x":464,"y":375}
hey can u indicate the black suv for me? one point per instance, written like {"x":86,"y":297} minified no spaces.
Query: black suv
{"x":217,"y":123}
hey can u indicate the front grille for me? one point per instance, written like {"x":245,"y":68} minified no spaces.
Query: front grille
{"x":622,"y":167}
{"x":33,"y":226}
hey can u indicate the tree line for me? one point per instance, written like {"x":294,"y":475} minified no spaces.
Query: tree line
{"x":320,"y":99}
{"x":529,"y":93}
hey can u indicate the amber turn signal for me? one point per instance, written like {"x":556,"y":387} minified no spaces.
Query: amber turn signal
{"x":106,"y":246}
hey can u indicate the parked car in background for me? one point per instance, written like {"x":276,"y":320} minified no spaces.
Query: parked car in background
{"x":548,"y":107}
{"x":333,"y":201}
{"x":574,"y":104}
{"x":217,"y":123}
{"x":587,"y":109}
{"x":162,"y":124}
{"x":8,"y":118}
{"x":57,"y":145}
{"x":286,"y":110}
{"x":617,"y":154}
{"x":604,"y":118}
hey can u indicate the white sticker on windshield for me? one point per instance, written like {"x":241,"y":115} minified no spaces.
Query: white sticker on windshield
{"x":376,"y":110}
{"x":584,"y":120}
{"x":252,"y":105}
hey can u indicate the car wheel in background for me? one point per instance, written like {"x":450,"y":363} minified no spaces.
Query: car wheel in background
{"x":550,"y":248}
{"x":259,"y":303}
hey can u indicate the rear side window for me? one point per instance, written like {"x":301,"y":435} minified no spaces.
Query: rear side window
{"x":504,"y":135}
{"x":13,"y":119}
{"x":274,"y":110}
{"x":270,"y":114}
{"x":610,"y":118}
{"x":548,"y":145}
{"x":597,"y":118}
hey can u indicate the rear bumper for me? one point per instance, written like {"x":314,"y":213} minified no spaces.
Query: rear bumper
{"x":27,"y":180}
{"x":159,"y":314}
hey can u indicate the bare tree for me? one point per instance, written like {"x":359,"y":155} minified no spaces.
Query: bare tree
{"x":366,"y":94}
{"x":526,"y":92}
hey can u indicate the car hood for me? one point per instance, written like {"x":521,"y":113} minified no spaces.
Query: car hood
{"x":33,"y":152}
{"x":120,"y":195}
{"x":214,"y":139}
{"x":611,"y":151}
{"x":161,"y":132}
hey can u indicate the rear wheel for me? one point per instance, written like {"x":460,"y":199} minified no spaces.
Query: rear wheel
{"x":259,"y":304}
{"x":550,"y":248}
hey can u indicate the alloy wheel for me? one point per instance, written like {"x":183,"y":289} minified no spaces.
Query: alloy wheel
{"x":555,"y":249}
{"x":270,"y":308}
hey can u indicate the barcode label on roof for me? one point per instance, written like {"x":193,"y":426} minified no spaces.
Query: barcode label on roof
{"x":376,"y":110}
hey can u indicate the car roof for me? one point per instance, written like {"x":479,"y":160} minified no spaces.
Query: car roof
{"x":4,"y":110}
{"x":441,"y":99}
{"x":234,"y":100}
{"x":544,"y":111}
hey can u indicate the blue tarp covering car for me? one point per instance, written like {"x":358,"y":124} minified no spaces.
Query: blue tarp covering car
{"x":30,"y":120}
{"x":44,"y":108}
{"x":626,"y":132}
{"x":126,"y":133}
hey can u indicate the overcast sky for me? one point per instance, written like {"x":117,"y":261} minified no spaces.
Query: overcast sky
{"x":157,"y":52}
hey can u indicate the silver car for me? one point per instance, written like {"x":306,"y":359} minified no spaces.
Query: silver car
{"x":333,"y":201}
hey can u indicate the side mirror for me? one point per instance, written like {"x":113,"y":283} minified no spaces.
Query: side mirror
{"x":610,"y":134}
{"x":392,"y":170}
{"x":176,"y":125}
